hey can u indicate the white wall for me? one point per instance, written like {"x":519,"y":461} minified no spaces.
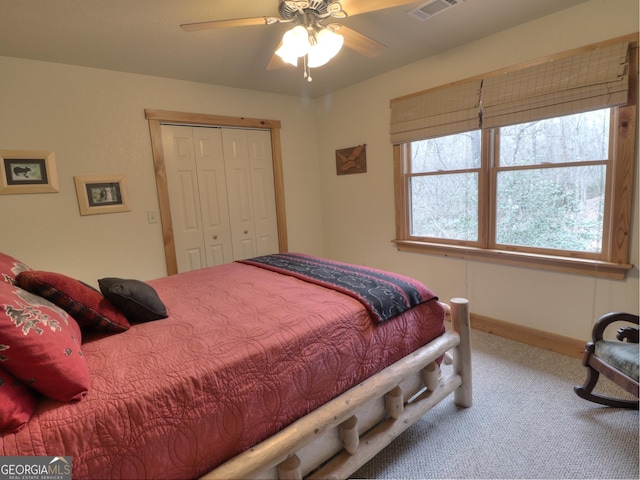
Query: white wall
{"x":94,"y":122}
{"x":359,"y":209}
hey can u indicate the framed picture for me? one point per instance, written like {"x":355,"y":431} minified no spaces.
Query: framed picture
{"x":28,"y":171}
{"x":351,"y":160}
{"x":101,"y":194}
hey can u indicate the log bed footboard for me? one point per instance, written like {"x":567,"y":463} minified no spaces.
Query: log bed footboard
{"x":339,"y":437}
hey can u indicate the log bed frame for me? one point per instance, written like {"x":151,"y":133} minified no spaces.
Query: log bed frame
{"x":339,"y":437}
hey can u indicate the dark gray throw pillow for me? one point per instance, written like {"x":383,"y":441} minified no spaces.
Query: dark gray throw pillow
{"x":136,"y":299}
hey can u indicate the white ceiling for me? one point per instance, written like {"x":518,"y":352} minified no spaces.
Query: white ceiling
{"x":143,"y":36}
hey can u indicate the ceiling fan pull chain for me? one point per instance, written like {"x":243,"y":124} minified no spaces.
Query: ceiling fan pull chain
{"x":307,"y":69}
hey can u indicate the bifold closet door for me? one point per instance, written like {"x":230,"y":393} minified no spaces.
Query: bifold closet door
{"x":221,"y":194}
{"x":194,"y":166}
{"x":250,"y":192}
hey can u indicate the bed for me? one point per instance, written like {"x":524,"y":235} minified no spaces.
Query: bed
{"x":266,"y":368}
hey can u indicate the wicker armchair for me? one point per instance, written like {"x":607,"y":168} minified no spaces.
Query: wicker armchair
{"x":615,"y":359}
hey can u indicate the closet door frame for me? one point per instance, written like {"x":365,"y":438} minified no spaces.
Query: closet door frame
{"x":156,"y":118}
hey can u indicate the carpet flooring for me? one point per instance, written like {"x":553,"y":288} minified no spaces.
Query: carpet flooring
{"x":525,"y":422}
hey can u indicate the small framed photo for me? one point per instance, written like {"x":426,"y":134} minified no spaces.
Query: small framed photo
{"x":102,"y":194}
{"x":28,"y":171}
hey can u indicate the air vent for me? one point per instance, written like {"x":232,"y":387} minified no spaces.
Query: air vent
{"x":433,"y":7}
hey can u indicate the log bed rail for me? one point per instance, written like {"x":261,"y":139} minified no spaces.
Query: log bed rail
{"x":339,"y":437}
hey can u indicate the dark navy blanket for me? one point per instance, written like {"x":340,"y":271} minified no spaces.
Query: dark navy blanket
{"x":383,"y":294}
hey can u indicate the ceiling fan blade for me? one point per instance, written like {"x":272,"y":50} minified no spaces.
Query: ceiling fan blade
{"x":356,"y":7}
{"x":361,"y":43}
{"x":237,"y":22}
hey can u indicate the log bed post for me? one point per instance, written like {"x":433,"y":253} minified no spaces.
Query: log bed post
{"x":460,"y":323}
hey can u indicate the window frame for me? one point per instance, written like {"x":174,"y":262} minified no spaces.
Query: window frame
{"x":612,"y":262}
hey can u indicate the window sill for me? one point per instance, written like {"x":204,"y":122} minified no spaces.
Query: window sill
{"x":579,"y":266}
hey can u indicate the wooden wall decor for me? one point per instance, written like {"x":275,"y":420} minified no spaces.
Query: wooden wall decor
{"x":351,"y":160}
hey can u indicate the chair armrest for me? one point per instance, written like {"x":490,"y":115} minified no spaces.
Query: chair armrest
{"x":628,"y":333}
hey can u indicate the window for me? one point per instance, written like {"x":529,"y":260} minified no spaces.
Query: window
{"x":443,"y":184}
{"x":553,"y":191}
{"x":550,"y":182}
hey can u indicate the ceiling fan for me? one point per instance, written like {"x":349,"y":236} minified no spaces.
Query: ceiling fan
{"x":313,"y":39}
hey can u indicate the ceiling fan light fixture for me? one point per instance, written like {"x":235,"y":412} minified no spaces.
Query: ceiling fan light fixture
{"x":312,"y":40}
{"x":327,"y":46}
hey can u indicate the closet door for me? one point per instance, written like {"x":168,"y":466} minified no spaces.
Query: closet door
{"x":213,"y":195}
{"x":197,"y":196}
{"x":221,"y":194}
{"x":251,"y":192}
{"x":182,"y":181}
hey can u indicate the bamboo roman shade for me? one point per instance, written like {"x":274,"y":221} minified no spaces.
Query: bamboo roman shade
{"x":593,"y":79}
{"x":588,"y":81}
{"x":440,"y":112}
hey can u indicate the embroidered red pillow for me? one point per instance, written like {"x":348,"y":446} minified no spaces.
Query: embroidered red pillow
{"x":40,"y":345}
{"x":85,"y":304}
{"x":17,"y":403}
{"x":10,"y":268}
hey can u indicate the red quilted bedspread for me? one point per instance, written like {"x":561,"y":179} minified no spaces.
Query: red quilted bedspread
{"x":244,"y":352}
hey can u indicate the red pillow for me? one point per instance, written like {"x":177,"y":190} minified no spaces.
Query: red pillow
{"x":10,"y":268}
{"x":40,"y":345}
{"x":17,"y":403}
{"x":85,"y":304}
